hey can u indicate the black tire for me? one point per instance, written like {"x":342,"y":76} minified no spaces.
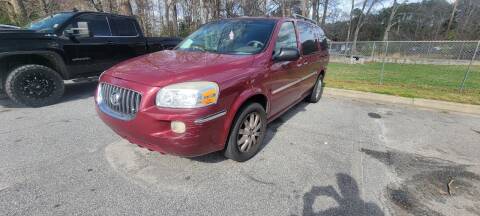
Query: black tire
{"x":317,"y":90}
{"x":234,"y":148}
{"x":34,"y":85}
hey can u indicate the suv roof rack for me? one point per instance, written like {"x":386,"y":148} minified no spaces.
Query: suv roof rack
{"x":298,"y":16}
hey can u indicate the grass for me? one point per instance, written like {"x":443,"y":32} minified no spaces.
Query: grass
{"x":439,"y":82}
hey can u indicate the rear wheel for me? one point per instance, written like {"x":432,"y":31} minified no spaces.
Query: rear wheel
{"x":317,"y":90}
{"x":34,"y":85}
{"x":247,"y":133}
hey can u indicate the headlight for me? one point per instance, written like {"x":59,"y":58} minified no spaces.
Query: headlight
{"x":188,"y":95}
{"x":99,"y":93}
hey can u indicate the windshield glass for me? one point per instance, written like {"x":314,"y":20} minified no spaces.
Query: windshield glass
{"x":50,"y":23}
{"x":243,"y":36}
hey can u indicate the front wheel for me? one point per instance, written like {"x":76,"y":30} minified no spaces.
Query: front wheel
{"x":247,"y":133}
{"x":34,"y":85}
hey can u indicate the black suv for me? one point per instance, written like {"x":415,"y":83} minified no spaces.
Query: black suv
{"x":35,"y":61}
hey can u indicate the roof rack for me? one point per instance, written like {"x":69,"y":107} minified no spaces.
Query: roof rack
{"x":298,"y":16}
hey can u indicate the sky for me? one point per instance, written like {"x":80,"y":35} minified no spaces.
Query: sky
{"x":347,"y":4}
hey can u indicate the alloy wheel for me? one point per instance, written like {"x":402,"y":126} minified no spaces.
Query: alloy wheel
{"x":249,"y":132}
{"x":37,"y":85}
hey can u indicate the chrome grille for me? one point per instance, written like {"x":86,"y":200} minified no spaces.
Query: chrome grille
{"x":119,"y":102}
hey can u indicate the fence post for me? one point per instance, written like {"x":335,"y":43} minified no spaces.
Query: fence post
{"x":383,"y":64}
{"x":429,"y":49}
{"x":373,"y":52}
{"x":469,"y":67}
{"x":461,"y":51}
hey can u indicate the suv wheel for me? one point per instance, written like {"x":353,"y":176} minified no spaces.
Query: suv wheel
{"x":247,"y":133}
{"x":317,"y":91}
{"x":34,"y":85}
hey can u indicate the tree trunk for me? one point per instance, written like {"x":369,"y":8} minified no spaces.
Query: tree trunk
{"x":452,"y":15}
{"x":390,"y":20}
{"x":97,"y":5}
{"x":304,"y":7}
{"x":175,"y":23}
{"x":44,"y":7}
{"x":125,"y":7}
{"x":361,"y":21}
{"x":20,"y":12}
{"x":315,"y":4}
{"x":167,"y":17}
{"x":350,"y":21}
{"x":324,"y":16}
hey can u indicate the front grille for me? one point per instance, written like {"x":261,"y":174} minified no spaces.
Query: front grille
{"x":119,"y":102}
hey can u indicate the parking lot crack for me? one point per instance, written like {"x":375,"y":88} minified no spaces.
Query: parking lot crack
{"x":250,"y":177}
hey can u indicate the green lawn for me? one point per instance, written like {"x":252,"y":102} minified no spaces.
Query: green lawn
{"x":440,"y":82}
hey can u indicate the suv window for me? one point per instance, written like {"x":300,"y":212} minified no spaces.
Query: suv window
{"x":286,"y":37}
{"x":308,"y":37}
{"x":123,"y":26}
{"x":97,"y":24}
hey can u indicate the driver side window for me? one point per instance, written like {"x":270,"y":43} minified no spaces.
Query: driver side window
{"x":286,"y":37}
{"x":90,"y":26}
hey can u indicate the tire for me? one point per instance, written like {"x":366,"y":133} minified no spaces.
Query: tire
{"x":317,"y":91}
{"x":239,"y":150}
{"x":34,"y":85}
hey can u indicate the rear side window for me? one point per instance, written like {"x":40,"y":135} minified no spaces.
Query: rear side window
{"x":286,"y":37}
{"x":308,"y":37}
{"x":123,"y":26}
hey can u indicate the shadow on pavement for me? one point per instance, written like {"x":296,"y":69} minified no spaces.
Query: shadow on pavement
{"x":272,"y":128}
{"x":214,"y":157}
{"x":348,"y":199}
{"x":73,"y":91}
{"x":275,"y":125}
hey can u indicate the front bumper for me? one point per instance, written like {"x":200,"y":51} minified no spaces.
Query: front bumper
{"x":150,"y":128}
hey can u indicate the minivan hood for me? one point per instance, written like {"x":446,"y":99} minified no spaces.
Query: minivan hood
{"x":168,"y":66}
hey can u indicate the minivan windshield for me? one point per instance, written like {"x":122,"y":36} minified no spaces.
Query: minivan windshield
{"x":240,"y":36}
{"x":50,"y":23}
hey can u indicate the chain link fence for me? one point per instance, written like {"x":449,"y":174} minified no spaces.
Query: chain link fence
{"x":448,"y":65}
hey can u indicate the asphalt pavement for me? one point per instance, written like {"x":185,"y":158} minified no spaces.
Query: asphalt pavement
{"x":341,"y":156}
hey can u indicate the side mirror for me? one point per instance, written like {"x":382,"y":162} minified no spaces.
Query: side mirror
{"x":287,"y":54}
{"x":81,"y":32}
{"x":324,"y":44}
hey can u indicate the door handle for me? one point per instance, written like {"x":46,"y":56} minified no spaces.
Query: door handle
{"x":110,"y":42}
{"x":301,"y":63}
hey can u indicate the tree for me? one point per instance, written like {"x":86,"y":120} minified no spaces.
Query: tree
{"x":315,"y":5}
{"x":452,"y":15}
{"x":390,"y":20}
{"x":350,"y":21}
{"x":126,"y":7}
{"x":96,"y":4}
{"x":304,"y":7}
{"x":325,"y":9}
{"x":361,"y":21}
{"x":20,"y":14}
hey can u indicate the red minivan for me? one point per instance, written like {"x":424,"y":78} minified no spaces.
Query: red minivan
{"x":218,"y":89}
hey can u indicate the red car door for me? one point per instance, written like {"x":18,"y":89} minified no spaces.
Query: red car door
{"x":311,"y":55}
{"x":284,"y":74}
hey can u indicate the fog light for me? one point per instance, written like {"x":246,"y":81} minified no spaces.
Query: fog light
{"x":178,"y":127}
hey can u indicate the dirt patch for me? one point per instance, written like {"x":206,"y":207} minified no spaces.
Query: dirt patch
{"x":429,"y":186}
